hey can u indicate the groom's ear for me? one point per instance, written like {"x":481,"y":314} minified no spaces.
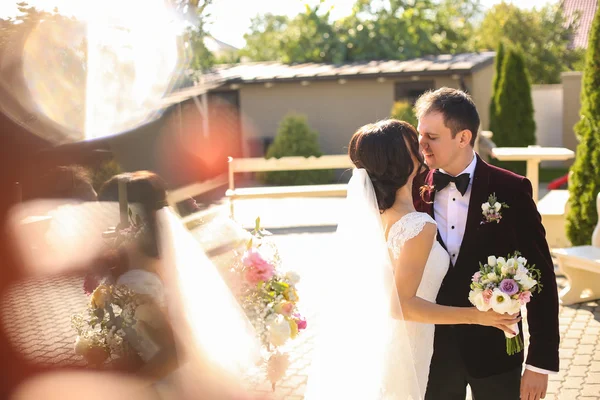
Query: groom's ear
{"x":464,"y":138}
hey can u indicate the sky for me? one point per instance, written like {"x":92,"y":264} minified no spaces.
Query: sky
{"x":230,"y":19}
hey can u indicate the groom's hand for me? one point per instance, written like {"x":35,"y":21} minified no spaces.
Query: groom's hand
{"x":533,"y":385}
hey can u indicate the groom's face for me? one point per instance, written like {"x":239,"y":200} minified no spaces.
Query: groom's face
{"x":438,"y":147}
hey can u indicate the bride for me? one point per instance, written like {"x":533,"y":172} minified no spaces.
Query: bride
{"x":376,"y":329}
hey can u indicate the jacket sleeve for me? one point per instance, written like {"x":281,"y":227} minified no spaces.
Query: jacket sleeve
{"x":542,"y":310}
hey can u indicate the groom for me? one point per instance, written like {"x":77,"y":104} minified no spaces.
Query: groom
{"x":456,"y":186}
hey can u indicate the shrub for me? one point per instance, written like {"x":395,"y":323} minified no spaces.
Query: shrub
{"x":404,"y":111}
{"x":295,"y":138}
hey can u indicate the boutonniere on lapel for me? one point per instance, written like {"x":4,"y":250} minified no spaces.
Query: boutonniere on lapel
{"x":491,"y":210}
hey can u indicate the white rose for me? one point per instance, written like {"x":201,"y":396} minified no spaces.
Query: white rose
{"x":527,"y":282}
{"x":279,"y":331}
{"x":521,"y":271}
{"x":492,"y":261}
{"x":506,"y":270}
{"x":501,"y":302}
{"x":476,"y":298}
{"x":509,"y":267}
{"x":293,"y":277}
{"x":497,"y":206}
{"x":485,"y":206}
{"x":492,"y":277}
{"x":82,"y":345}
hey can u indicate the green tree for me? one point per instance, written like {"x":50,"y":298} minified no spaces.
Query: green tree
{"x":515,"y":125}
{"x":385,"y":29}
{"x":295,"y":138}
{"x":584,"y":182}
{"x":308,"y":37}
{"x":544,"y":35}
{"x":496,"y":83}
{"x":404,"y":111}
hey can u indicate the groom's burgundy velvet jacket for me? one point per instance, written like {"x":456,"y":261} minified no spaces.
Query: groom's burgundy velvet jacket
{"x":520,"y":229}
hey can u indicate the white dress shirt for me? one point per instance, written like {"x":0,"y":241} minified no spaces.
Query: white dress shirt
{"x":450,"y":210}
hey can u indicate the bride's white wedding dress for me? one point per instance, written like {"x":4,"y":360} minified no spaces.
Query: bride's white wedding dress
{"x":364,"y":348}
{"x":420,"y":335}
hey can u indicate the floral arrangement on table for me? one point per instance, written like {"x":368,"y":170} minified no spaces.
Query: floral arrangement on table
{"x":505,"y":285}
{"x":269,"y":298}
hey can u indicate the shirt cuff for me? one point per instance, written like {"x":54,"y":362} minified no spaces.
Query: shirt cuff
{"x":539,"y":370}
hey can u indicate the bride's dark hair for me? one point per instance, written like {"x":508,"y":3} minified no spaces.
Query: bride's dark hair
{"x":146,"y":189}
{"x":385,"y":150}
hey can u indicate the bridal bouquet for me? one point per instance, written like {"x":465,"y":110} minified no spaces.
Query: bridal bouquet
{"x":117,"y":319}
{"x":505,"y":285}
{"x":269,"y":298}
{"x":115,"y":324}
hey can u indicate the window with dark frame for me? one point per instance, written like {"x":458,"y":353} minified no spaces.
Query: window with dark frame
{"x":410,"y":91}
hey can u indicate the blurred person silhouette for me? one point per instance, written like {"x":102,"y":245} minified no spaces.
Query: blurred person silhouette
{"x":198,"y":361}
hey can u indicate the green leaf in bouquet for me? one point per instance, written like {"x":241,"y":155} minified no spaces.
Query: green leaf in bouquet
{"x":257,"y":225}
{"x":280,"y":286}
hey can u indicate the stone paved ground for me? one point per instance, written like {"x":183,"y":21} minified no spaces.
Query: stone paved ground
{"x":37,"y":312}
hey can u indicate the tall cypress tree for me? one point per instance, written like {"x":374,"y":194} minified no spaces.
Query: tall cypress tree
{"x":496,"y":83}
{"x":584,"y":182}
{"x":514,"y":124}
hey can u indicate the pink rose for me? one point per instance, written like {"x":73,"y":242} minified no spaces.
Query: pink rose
{"x":285,"y":308}
{"x":524,"y":297}
{"x":258,"y":274}
{"x":476,"y":276}
{"x":487,"y":295}
{"x":253,"y":258}
{"x":258,"y":269}
{"x":300,"y":321}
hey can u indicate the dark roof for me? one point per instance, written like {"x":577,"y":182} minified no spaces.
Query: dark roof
{"x":587,"y":10}
{"x":274,"y":71}
{"x":262,"y":72}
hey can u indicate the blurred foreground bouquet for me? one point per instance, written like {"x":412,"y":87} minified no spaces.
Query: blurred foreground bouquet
{"x":269,"y":298}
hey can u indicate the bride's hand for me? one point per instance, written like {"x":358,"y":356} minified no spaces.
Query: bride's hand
{"x":500,"y":321}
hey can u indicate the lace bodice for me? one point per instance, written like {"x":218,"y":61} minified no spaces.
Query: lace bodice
{"x":406,"y":228}
{"x":420,"y":334}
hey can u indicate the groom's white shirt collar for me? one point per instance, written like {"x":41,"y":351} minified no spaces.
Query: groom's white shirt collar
{"x":469,"y":170}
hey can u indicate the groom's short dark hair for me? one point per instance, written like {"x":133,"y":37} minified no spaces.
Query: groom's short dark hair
{"x":456,"y":106}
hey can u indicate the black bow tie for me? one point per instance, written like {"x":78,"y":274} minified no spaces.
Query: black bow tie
{"x":441,"y":180}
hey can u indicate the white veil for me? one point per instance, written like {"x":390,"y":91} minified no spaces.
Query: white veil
{"x":220,"y":331}
{"x":362,"y":349}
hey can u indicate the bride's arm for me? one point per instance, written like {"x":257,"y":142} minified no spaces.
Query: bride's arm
{"x":408,"y":271}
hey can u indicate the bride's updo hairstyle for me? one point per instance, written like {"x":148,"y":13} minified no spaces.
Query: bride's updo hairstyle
{"x":146,"y":189}
{"x":385,"y":150}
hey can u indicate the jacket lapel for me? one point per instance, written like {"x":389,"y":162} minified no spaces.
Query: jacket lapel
{"x":479,"y":195}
